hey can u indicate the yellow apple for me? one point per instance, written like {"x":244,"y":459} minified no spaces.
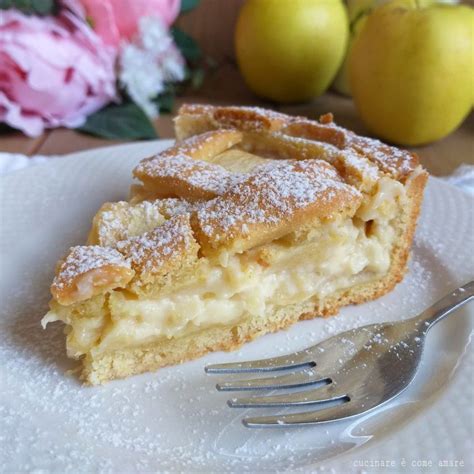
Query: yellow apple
{"x":290,"y":50}
{"x":412,"y":70}
{"x":358,"y":10}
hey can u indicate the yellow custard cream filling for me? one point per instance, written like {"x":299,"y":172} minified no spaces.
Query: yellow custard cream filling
{"x":338,"y":255}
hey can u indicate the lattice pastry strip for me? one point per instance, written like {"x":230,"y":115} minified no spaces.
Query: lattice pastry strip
{"x":272,"y":201}
{"x":88,"y":271}
{"x":182,"y":172}
{"x":394,"y":162}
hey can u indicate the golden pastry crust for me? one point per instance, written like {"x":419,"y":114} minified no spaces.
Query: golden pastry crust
{"x":219,"y":194}
{"x":357,"y":170}
{"x":181,"y":172}
{"x":272,"y":201}
{"x":324,"y":137}
{"x":253,"y":119}
{"x":117,"y":221}
{"x":205,"y":145}
{"x":391,"y":160}
{"x":161,"y":253}
{"x":315,"y":131}
{"x":183,"y":177}
{"x":88,"y":271}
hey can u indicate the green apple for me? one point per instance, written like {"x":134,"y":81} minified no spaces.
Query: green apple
{"x":358,"y":10}
{"x":290,"y":50}
{"x":412,"y":70}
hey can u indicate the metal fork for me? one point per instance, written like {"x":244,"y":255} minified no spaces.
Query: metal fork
{"x":360,"y":369}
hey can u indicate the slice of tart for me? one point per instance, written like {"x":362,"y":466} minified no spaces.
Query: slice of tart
{"x":252,"y":221}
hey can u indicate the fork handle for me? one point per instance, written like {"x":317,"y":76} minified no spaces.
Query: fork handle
{"x":447,"y":305}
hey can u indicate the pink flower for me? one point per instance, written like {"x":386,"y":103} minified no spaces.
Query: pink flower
{"x":115,"y":20}
{"x":54,"y":71}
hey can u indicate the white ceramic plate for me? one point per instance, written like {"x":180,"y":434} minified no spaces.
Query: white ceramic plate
{"x":174,"y":419}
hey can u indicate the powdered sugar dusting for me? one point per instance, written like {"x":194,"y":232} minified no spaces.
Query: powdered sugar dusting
{"x":389,"y":159}
{"x":260,"y":111}
{"x":115,"y":223}
{"x":82,"y":259}
{"x":392,"y":160}
{"x":272,"y":192}
{"x":396,"y":162}
{"x":148,"y":252}
{"x":110,"y":223}
{"x":355,"y":161}
{"x":150,"y":212}
{"x":198,"y":174}
{"x":121,"y":220}
{"x":174,"y":207}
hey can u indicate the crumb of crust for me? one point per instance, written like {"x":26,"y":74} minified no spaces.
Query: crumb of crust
{"x":326,"y":118}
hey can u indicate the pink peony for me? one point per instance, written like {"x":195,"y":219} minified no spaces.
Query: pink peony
{"x":54,"y":71}
{"x":115,"y":20}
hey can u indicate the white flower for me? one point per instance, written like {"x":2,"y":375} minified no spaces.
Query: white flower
{"x":147,"y":63}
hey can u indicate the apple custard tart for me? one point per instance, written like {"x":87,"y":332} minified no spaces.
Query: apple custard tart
{"x":252,"y":221}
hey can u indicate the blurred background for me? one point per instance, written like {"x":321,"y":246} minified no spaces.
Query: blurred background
{"x":401,"y":71}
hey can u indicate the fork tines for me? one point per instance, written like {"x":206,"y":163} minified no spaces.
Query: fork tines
{"x":321,"y":390}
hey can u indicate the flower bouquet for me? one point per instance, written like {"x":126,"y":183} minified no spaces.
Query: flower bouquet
{"x":104,"y":67}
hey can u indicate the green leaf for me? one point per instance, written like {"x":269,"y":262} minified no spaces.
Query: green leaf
{"x":188,"y":47}
{"x":6,"y":4}
{"x":124,"y":121}
{"x":188,"y":5}
{"x":31,"y":7}
{"x":43,"y":7}
{"x":165,"y":102}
